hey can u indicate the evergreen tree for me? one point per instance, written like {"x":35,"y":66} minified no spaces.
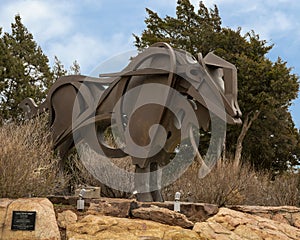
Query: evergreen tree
{"x":278,"y":141}
{"x":58,"y":69}
{"x":266,"y":88}
{"x":75,"y":68}
{"x":24,"y":70}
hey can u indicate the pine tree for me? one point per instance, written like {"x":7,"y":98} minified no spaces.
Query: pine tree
{"x":25,"y":70}
{"x":75,"y":68}
{"x":58,"y":69}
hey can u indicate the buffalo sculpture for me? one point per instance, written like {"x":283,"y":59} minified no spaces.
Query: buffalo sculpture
{"x":155,"y":106}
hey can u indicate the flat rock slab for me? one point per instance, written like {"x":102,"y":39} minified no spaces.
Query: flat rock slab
{"x":111,"y":207}
{"x":94,"y":227}
{"x":45,"y":226}
{"x":195,"y":212}
{"x":163,"y":215}
{"x":283,"y":214}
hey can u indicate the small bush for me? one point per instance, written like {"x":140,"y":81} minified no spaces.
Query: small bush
{"x":28,"y":166}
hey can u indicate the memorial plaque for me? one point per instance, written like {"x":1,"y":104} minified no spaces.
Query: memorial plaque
{"x":23,"y":220}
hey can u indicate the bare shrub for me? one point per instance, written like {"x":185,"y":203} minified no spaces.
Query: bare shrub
{"x":286,"y":190}
{"x":283,"y":190}
{"x":225,"y":184}
{"x":28,"y":166}
{"x":230,"y":184}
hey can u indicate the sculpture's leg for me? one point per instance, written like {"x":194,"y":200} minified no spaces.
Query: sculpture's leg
{"x":155,"y":180}
{"x":142,"y":183}
{"x":147,"y":179}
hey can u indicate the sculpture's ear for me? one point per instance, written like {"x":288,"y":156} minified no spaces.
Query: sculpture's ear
{"x":212,"y":59}
{"x":229,"y":77}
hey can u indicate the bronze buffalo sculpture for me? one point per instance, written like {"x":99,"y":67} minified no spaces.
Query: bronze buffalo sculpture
{"x":155,"y":106}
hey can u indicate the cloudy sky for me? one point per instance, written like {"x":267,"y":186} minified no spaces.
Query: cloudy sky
{"x":90,"y":31}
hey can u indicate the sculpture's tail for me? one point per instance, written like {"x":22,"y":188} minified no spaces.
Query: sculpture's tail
{"x":31,"y":109}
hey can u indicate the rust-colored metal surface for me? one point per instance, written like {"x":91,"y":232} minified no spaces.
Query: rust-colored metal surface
{"x":142,"y":102}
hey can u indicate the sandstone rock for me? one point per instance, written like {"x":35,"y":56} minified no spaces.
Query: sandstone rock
{"x":45,"y":228}
{"x":296,"y":220}
{"x":283,"y":214}
{"x":213,"y":230}
{"x":111,"y":207}
{"x":94,"y":227}
{"x":66,"y":218}
{"x":279,"y":217}
{"x":163,"y":215}
{"x":4,"y":203}
{"x":230,"y":224}
{"x":195,"y":212}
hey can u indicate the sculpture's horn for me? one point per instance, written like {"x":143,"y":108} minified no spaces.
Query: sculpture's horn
{"x":204,"y":169}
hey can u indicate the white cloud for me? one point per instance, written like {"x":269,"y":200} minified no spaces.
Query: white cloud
{"x":54,"y":25}
{"x":268,"y":26}
{"x":270,"y":19}
{"x":87,"y":50}
{"x":45,"y":19}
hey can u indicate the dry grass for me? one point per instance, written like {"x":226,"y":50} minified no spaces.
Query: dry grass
{"x":230,"y":184}
{"x":28,"y":166}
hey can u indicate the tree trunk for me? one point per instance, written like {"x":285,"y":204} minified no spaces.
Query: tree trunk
{"x":246,"y":125}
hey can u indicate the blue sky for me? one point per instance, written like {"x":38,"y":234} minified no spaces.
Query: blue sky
{"x":90,"y":31}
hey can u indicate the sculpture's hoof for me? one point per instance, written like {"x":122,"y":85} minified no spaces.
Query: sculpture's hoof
{"x":157,"y":197}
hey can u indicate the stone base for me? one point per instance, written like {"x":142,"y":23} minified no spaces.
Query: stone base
{"x":106,"y":218}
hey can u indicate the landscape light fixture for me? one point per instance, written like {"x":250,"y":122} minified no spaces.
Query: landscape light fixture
{"x":80,"y":201}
